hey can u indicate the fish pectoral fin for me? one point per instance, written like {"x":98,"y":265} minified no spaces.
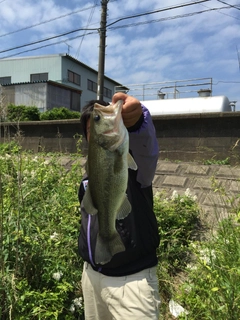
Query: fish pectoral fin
{"x":106,"y":249}
{"x":131,"y":162}
{"x":88,"y":204}
{"x":125,"y":209}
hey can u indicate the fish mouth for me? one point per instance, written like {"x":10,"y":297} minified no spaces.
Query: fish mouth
{"x":111,"y":108}
{"x":111,"y":111}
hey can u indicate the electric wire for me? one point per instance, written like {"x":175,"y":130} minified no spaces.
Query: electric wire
{"x":88,"y":23}
{"x":94,"y":30}
{"x":159,"y":10}
{"x":47,"y":45}
{"x":45,"y":21}
{"x":88,"y":29}
{"x":223,"y":13}
{"x":168,"y":18}
{"x":47,"y":39}
{"x":230,"y":5}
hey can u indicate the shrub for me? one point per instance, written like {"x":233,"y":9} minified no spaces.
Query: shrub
{"x":60,"y":113}
{"x":22,"y":113}
{"x":177,"y":218}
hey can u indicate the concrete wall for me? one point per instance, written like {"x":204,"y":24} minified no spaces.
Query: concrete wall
{"x":181,"y":137}
{"x":199,"y":136}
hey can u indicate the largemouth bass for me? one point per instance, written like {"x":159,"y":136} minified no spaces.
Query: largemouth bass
{"x":107,"y":168}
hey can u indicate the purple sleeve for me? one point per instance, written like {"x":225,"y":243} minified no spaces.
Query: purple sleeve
{"x":144,"y":146}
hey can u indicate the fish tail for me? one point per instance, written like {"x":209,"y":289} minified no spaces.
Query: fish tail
{"x":106,"y":249}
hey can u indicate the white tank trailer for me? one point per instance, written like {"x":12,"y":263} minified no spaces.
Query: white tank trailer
{"x":209,"y":104}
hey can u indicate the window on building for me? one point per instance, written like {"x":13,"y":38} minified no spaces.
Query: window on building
{"x":5,"y":80}
{"x":74,"y":77}
{"x":91,"y":85}
{"x":38,"y":77}
{"x":107,"y":93}
{"x":75,"y":101}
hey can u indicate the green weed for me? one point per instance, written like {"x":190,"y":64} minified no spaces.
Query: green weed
{"x":40,"y":269}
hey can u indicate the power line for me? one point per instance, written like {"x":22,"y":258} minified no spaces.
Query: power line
{"x":168,"y":18}
{"x":47,"y":39}
{"x":133,"y":16}
{"x":223,"y":12}
{"x":110,"y":28}
{"x":48,"y":45}
{"x":92,"y":7}
{"x":159,"y":10}
{"x":46,"y":21}
{"x":230,"y":5}
{"x":88,"y":23}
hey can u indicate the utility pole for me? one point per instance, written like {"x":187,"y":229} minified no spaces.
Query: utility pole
{"x":102,"y":45}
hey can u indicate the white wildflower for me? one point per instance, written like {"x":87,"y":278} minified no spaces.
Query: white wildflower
{"x":72,"y":308}
{"x":194,"y":198}
{"x":57,"y":275}
{"x":158,"y":194}
{"x":46,"y":162}
{"x":54,"y":235}
{"x":207,"y":255}
{"x":191,"y":266}
{"x":78,"y":302}
{"x":33,"y":173}
{"x":174,"y":195}
{"x":188,"y":193}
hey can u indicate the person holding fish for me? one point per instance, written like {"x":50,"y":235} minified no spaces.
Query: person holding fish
{"x":119,"y":233}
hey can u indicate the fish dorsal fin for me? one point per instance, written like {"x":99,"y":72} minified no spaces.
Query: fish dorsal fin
{"x":88,"y":204}
{"x":125,"y":209}
{"x":131,"y":162}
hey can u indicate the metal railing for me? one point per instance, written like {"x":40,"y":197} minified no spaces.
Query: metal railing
{"x":168,"y":89}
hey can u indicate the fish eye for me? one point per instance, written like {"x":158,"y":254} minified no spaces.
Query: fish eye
{"x":96,"y":117}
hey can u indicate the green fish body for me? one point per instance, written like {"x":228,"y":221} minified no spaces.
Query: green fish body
{"x":107,"y":168}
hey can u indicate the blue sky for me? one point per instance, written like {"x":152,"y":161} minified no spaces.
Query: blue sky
{"x":178,"y":42}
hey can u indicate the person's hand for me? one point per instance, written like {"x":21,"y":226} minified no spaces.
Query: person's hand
{"x":131,"y":111}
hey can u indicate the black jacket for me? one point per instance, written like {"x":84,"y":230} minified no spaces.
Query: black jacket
{"x":139,"y":230}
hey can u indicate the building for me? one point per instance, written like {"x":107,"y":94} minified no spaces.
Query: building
{"x":50,"y":81}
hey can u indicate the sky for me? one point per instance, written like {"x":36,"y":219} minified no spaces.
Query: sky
{"x":150,"y":45}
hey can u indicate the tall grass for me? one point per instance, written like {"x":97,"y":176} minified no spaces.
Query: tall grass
{"x":212,"y":289}
{"x":40,"y":269}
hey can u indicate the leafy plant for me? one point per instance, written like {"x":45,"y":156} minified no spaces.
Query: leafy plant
{"x":22,"y":113}
{"x":177,"y":218}
{"x":59,"y":113}
{"x":212,"y":289}
{"x":40,"y":269}
{"x":219,"y":162}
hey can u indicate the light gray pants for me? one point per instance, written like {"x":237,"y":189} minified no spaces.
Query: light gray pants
{"x":134,"y":297}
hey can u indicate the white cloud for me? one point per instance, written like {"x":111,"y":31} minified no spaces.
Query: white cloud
{"x":200,"y":45}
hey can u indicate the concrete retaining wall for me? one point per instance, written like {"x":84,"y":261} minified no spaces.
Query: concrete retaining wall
{"x":194,"y":137}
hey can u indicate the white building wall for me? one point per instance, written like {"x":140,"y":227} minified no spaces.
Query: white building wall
{"x":20,"y":69}
{"x":57,"y":66}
